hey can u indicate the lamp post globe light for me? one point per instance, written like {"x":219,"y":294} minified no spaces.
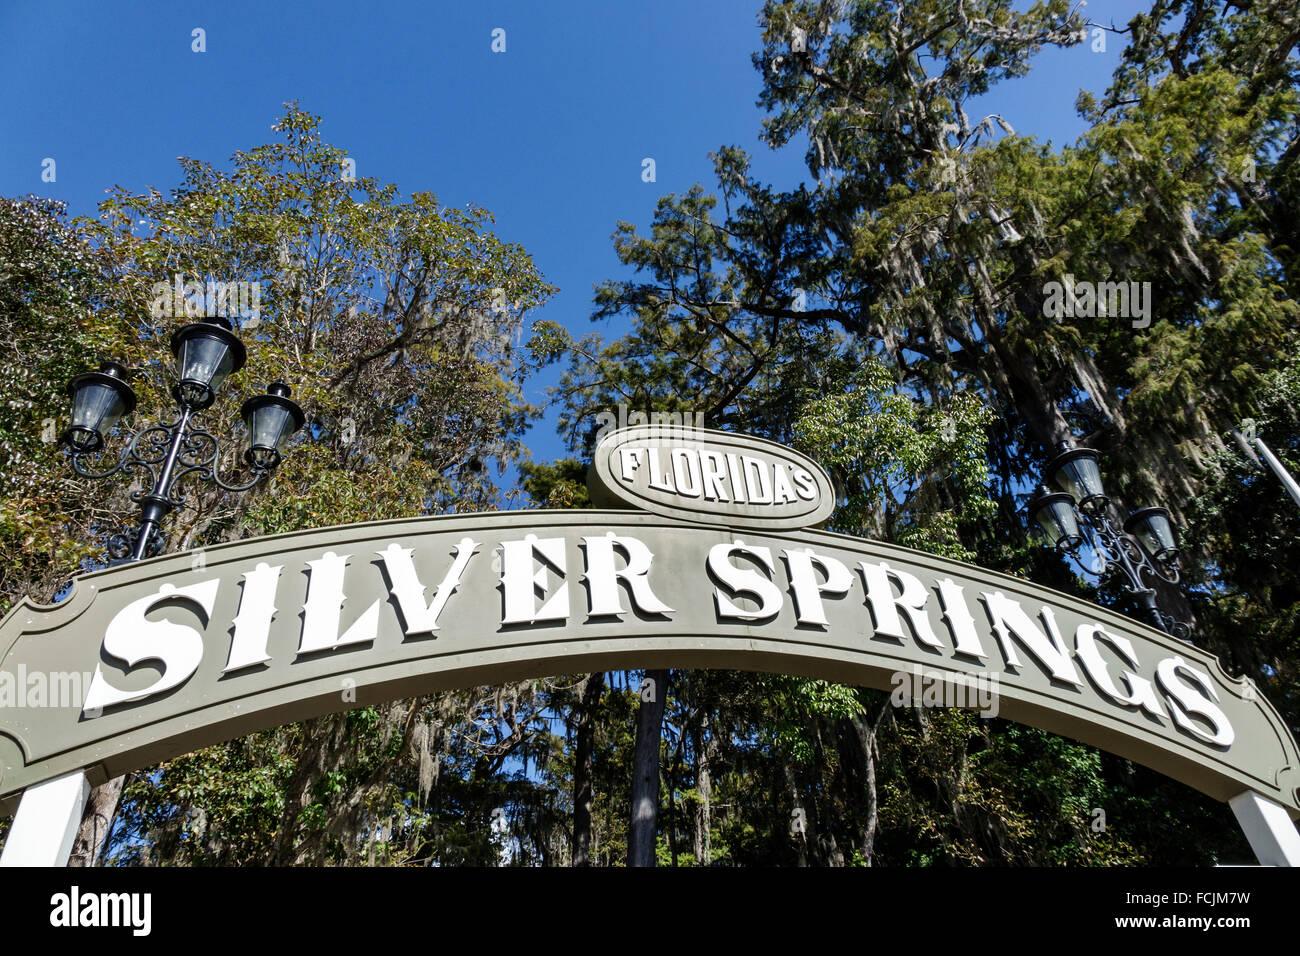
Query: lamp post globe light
{"x":1078,"y":512}
{"x":162,"y":455}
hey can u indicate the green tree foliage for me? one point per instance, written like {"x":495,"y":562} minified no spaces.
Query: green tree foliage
{"x":889,"y":318}
{"x":1251,"y":526}
{"x":51,"y":295}
{"x":907,"y":472}
{"x":559,"y":485}
{"x":397,"y":323}
{"x":905,"y":293}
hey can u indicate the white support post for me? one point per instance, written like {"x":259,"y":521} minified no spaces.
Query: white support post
{"x":1283,"y":475}
{"x":1268,"y":829}
{"x":46,"y":822}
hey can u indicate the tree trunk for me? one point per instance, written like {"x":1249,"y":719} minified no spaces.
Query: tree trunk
{"x":798,"y":815}
{"x":866,"y":734}
{"x":828,"y":848}
{"x":645,"y":769}
{"x":96,"y":823}
{"x":582,"y":770}
{"x":705,"y":747}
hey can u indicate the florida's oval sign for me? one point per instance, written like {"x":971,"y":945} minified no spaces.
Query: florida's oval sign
{"x":712,"y":477}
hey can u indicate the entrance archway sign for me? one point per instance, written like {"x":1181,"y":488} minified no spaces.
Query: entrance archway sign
{"x":709,"y":568}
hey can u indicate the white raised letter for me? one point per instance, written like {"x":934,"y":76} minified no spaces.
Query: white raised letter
{"x":631,"y":459}
{"x":958,"y":618}
{"x":1009,"y":619}
{"x":758,"y":483}
{"x":744,"y":581}
{"x":131,"y":637}
{"x":324,"y":608}
{"x":805,"y":484}
{"x":713,"y":466}
{"x":253,"y":622}
{"x":662,"y":480}
{"x":1140,"y":692}
{"x":603,"y":577}
{"x":1187,"y":700}
{"x":523,"y":583}
{"x":686,"y":472}
{"x":782,"y":491}
{"x":808,"y":590}
{"x":737,"y":479}
{"x":885,"y":606}
{"x":419,"y":617}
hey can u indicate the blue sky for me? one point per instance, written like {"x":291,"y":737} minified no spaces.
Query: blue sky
{"x":549,"y":135}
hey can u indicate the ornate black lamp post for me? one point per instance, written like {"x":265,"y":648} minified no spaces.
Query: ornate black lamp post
{"x":206,"y":352}
{"x":1078,"y":512}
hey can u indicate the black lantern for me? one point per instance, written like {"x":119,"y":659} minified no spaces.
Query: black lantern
{"x":1078,"y":514}
{"x":99,"y":399}
{"x":1076,"y":472}
{"x":160,"y":456}
{"x":271,"y":419}
{"x":206,"y":352}
{"x":1054,"y":513}
{"x":1154,"y":530}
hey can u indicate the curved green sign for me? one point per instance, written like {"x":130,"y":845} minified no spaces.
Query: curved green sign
{"x":150,"y":660}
